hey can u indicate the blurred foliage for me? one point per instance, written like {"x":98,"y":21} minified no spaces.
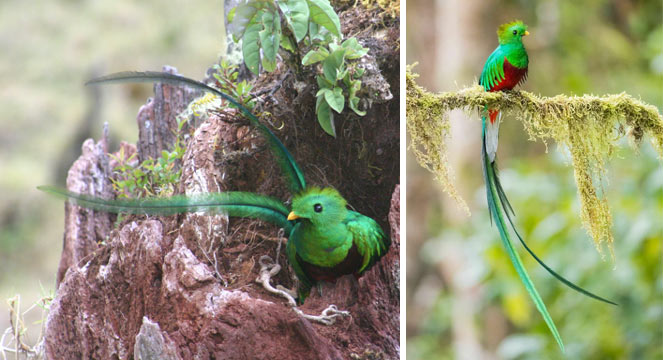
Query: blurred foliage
{"x":549,"y":221}
{"x":462,"y":292}
{"x":50,"y":48}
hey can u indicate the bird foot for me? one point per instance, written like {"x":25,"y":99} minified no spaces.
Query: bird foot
{"x":268,"y":269}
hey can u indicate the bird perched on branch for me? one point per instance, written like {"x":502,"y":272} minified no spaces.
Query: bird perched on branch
{"x":325,"y":239}
{"x":505,"y":68}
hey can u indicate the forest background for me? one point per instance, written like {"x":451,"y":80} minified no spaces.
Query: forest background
{"x":50,"y":48}
{"x":464,"y":300}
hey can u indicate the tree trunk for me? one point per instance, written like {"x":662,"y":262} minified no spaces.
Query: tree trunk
{"x":183,"y":286}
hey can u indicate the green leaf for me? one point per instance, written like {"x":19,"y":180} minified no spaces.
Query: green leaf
{"x":287,"y":43}
{"x":315,"y":56}
{"x":334,"y":46}
{"x":323,"y":82}
{"x":250,"y":47}
{"x":231,"y":15}
{"x":333,"y":64}
{"x":325,"y":116}
{"x":335,"y":99}
{"x":321,"y":92}
{"x":316,"y":32}
{"x":353,"y":100}
{"x":296,"y":13}
{"x":242,"y":17}
{"x":322,"y":13}
{"x":313,"y":31}
{"x":352,"y":103}
{"x":355,"y":86}
{"x":270,"y":38}
{"x":342,"y":74}
{"x":354,"y":50}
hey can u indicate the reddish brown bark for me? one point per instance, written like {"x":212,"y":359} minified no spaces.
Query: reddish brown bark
{"x":155,"y":287}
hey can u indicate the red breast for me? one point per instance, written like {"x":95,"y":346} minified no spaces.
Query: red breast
{"x":512,"y":77}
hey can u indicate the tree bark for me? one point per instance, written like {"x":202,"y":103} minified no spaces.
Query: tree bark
{"x":183,"y":286}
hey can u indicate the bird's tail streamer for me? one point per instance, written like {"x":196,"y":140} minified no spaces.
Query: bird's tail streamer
{"x":284,"y":158}
{"x":231,"y":203}
{"x":496,"y":207}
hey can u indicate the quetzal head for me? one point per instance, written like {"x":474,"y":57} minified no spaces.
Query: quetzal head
{"x":512,"y":32}
{"x":319,"y":206}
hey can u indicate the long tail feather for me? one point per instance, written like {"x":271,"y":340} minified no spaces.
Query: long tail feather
{"x":233,"y":203}
{"x":496,"y":210}
{"x":559,"y":277}
{"x":284,"y":158}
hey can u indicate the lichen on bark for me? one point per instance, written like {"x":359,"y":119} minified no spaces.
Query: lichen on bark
{"x":588,"y":126}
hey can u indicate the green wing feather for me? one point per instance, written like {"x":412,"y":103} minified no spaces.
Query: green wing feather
{"x":496,"y":210}
{"x":493,"y":70}
{"x":305,"y":283}
{"x":233,"y":203}
{"x":369,"y":238}
{"x":284,"y":158}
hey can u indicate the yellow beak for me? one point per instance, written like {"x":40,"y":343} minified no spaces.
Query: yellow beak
{"x":292,"y":216}
{"x":526,"y":32}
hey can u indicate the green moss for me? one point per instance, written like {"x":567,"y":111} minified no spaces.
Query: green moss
{"x":428,"y":127}
{"x":589,"y":126}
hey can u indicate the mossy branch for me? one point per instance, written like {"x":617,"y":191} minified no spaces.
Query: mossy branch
{"x":589,"y":126}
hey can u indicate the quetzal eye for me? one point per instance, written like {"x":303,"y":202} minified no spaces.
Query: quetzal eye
{"x":317,"y":208}
{"x":515,"y":32}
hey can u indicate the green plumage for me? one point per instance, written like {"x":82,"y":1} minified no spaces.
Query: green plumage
{"x":510,"y":49}
{"x":231,"y":203}
{"x":496,"y":208}
{"x":325,"y":239}
{"x":322,"y":242}
{"x":286,"y":161}
{"x":505,"y":68}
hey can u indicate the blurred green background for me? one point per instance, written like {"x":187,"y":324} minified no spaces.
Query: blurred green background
{"x":49,"y":49}
{"x":464,"y":300}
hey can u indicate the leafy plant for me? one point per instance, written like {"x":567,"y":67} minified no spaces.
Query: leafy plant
{"x":226,"y":77}
{"x":258,"y":24}
{"x":314,"y":23}
{"x":338,"y":81}
{"x":152,"y":177}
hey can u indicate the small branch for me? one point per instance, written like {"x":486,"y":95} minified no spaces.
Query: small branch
{"x":269,"y":269}
{"x":327,"y":317}
{"x":587,"y":125}
{"x":17,"y":329}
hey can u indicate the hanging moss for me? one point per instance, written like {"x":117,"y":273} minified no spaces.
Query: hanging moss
{"x":589,"y":126}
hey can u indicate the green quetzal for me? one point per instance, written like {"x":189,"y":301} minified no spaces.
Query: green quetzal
{"x":325,"y":239}
{"x":505,"y":68}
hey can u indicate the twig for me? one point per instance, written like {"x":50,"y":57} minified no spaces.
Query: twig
{"x":214,"y":263}
{"x":269,"y":269}
{"x":17,"y":329}
{"x":328,"y":315}
{"x":271,"y":91}
{"x":586,"y":125}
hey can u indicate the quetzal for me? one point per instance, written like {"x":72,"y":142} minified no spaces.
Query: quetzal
{"x":325,"y":239}
{"x":505,"y":68}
